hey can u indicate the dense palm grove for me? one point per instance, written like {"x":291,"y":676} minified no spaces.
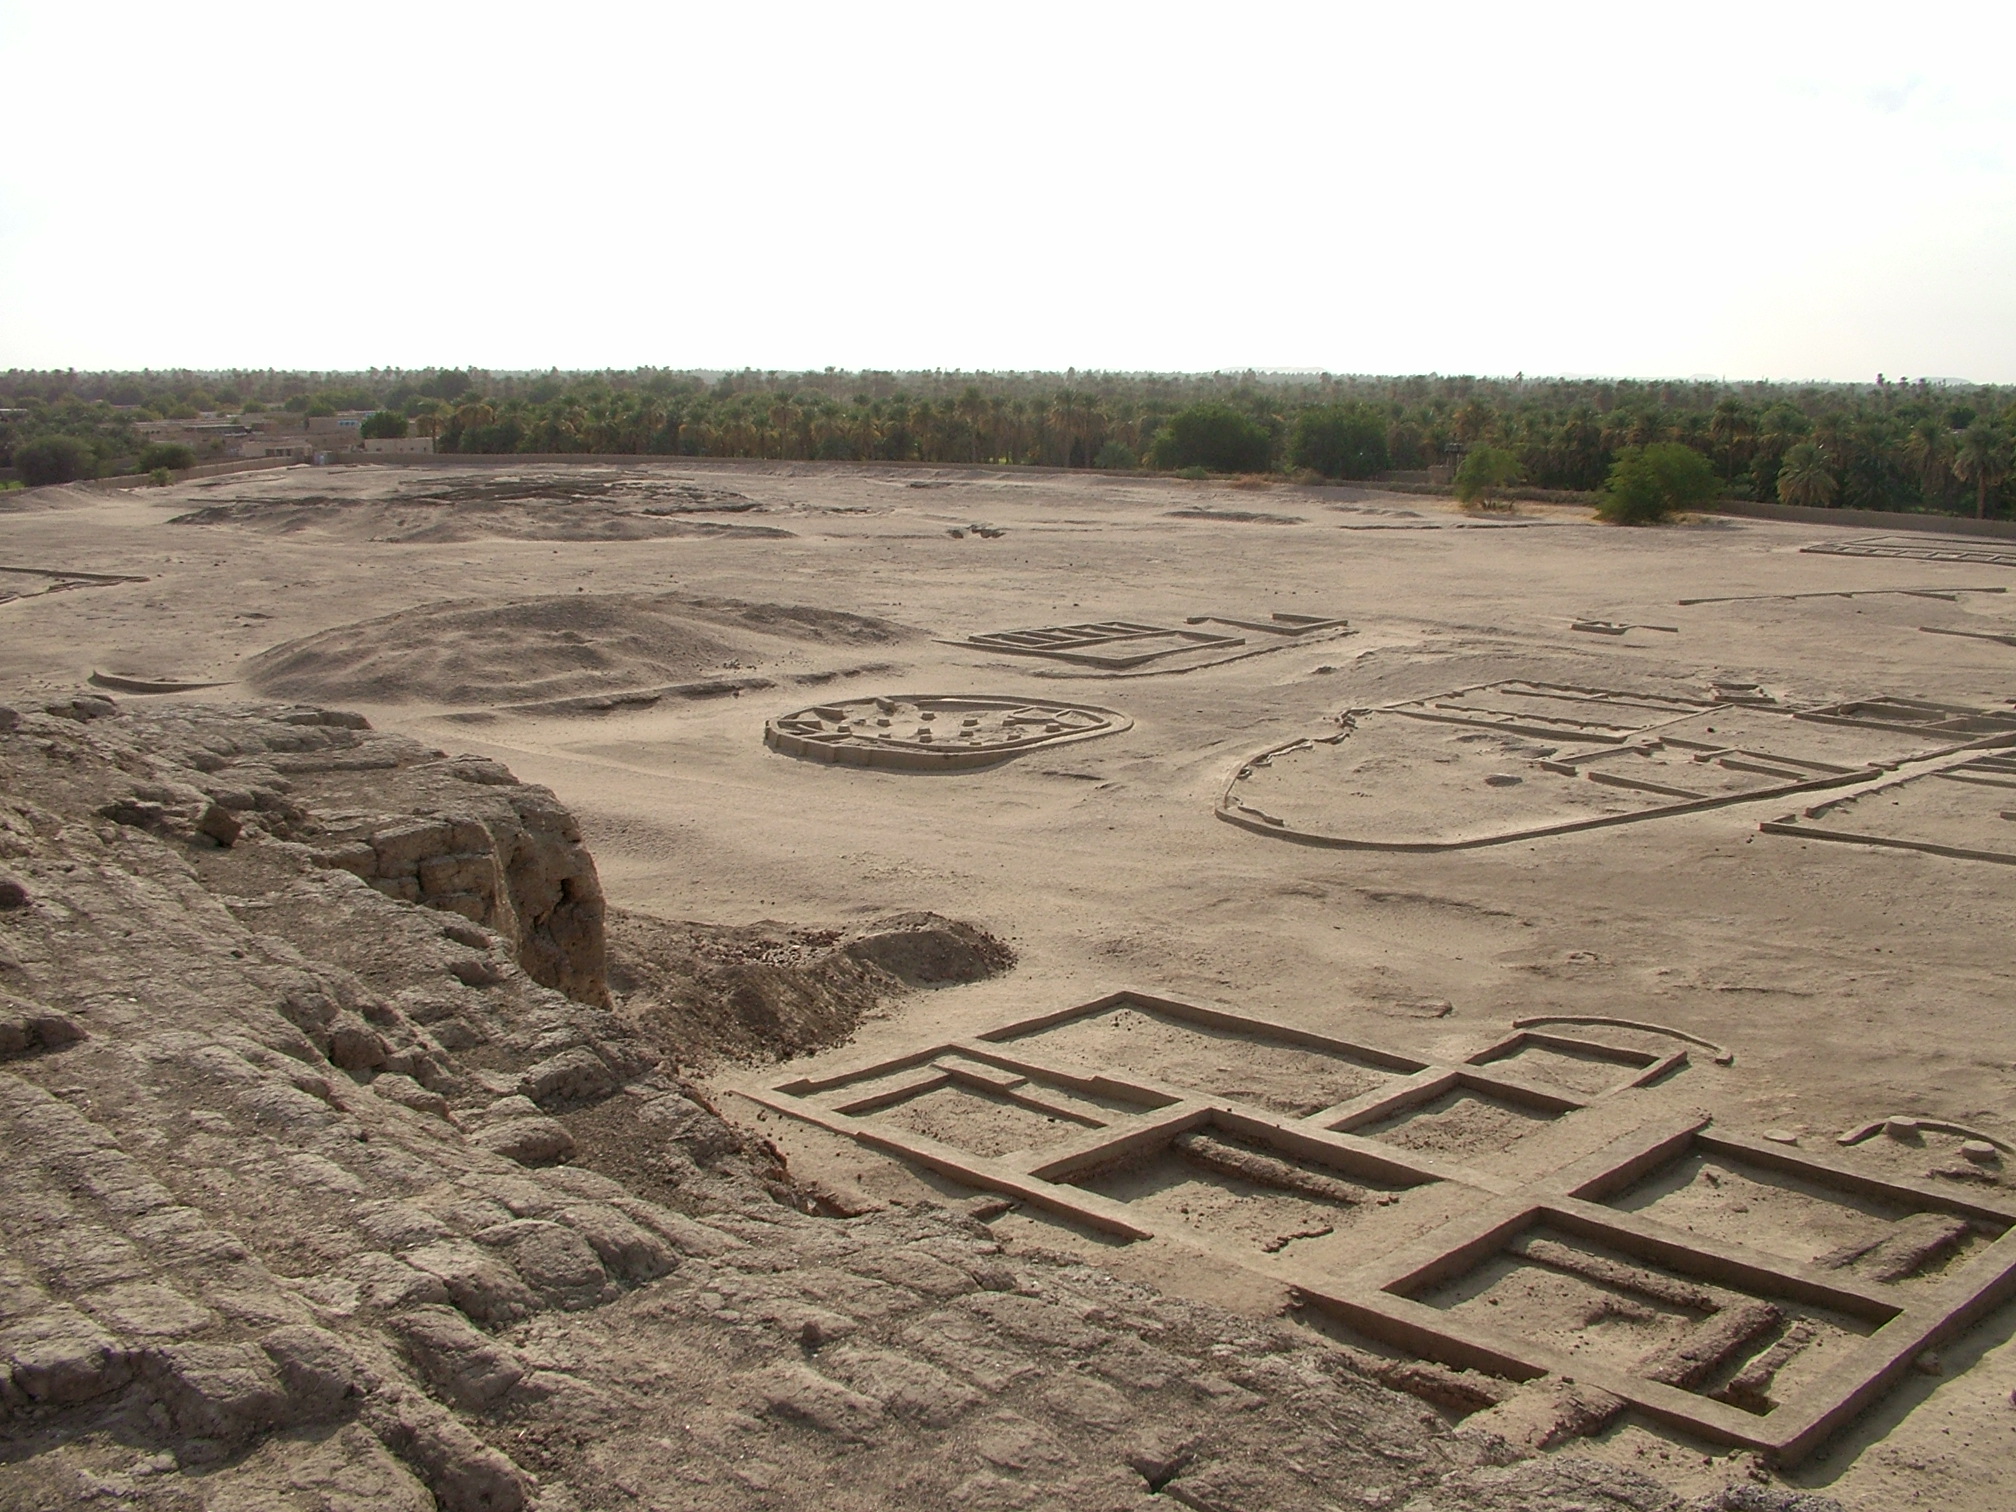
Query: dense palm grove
{"x":1896,"y":446}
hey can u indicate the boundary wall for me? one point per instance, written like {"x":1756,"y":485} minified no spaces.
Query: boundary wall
{"x":200,"y":470}
{"x":1866,"y":519}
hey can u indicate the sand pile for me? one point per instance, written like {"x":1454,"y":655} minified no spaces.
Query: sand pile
{"x":553,"y":647}
{"x":706,"y":992}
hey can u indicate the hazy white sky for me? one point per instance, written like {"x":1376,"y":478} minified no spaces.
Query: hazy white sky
{"x":1750,"y":190}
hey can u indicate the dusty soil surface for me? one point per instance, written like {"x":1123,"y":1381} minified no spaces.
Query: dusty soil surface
{"x":1852,"y":982}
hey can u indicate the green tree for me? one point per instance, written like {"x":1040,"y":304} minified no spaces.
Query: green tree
{"x":1805,"y":478}
{"x":1649,"y":483}
{"x":1928,"y":447}
{"x":172,"y":455}
{"x":1982,"y":458}
{"x":383,"y":425}
{"x":54,"y":459}
{"x":1339,"y":441}
{"x":1212,"y":436}
{"x":1486,"y":472}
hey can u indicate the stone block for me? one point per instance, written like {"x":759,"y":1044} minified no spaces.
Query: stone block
{"x":400,"y":848}
{"x":475,"y":907}
{"x":224,"y":1392}
{"x":571,"y":1076}
{"x":478,"y":1281}
{"x":351,"y":856}
{"x":60,"y":1356}
{"x":462,"y":871}
{"x":529,"y":1141}
{"x":462,"y":1363}
{"x":556,"y":1262}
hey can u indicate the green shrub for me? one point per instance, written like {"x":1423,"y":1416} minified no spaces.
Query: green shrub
{"x":1339,"y":441}
{"x":1648,"y":484}
{"x":1117,"y":454}
{"x":1485,"y":473}
{"x":383,"y":425}
{"x":1194,"y":474}
{"x":166,"y":456}
{"x":160,"y":477}
{"x":1214,"y":437}
{"x":54,"y":459}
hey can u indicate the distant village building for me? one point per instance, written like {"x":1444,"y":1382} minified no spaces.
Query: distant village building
{"x":215,"y":432}
{"x":298,"y":448}
{"x":278,"y":435}
{"x":343,"y":423}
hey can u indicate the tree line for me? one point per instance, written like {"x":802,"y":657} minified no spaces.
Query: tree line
{"x":1887,"y":445}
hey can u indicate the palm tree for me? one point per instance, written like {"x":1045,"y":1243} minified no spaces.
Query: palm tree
{"x":971,"y":407}
{"x":1981,"y":458}
{"x":1929,"y":447}
{"x":1473,"y":421}
{"x":1803,"y":477}
{"x":1732,"y":430}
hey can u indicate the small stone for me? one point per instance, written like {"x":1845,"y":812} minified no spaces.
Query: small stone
{"x":1901,"y":1128}
{"x":1502,"y":779}
{"x":83,"y":709}
{"x":219,"y":824}
{"x":12,"y":894}
{"x":475,"y":971}
{"x":1980,"y":1152}
{"x":1781,"y":1136}
{"x":1929,"y":1364}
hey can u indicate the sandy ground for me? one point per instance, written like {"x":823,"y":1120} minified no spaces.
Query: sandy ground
{"x":1852,"y":982}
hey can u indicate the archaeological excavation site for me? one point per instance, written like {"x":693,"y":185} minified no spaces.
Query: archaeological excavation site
{"x":746,"y":985}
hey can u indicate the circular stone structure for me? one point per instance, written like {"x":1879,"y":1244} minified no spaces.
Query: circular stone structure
{"x":935,"y":732}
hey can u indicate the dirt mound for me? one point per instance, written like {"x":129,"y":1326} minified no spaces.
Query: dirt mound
{"x":706,"y":992}
{"x":924,"y":950}
{"x":556,"y":647}
{"x":367,"y":503}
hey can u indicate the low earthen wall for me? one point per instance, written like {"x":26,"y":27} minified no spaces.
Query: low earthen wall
{"x":203,"y":470}
{"x":1866,"y":519}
